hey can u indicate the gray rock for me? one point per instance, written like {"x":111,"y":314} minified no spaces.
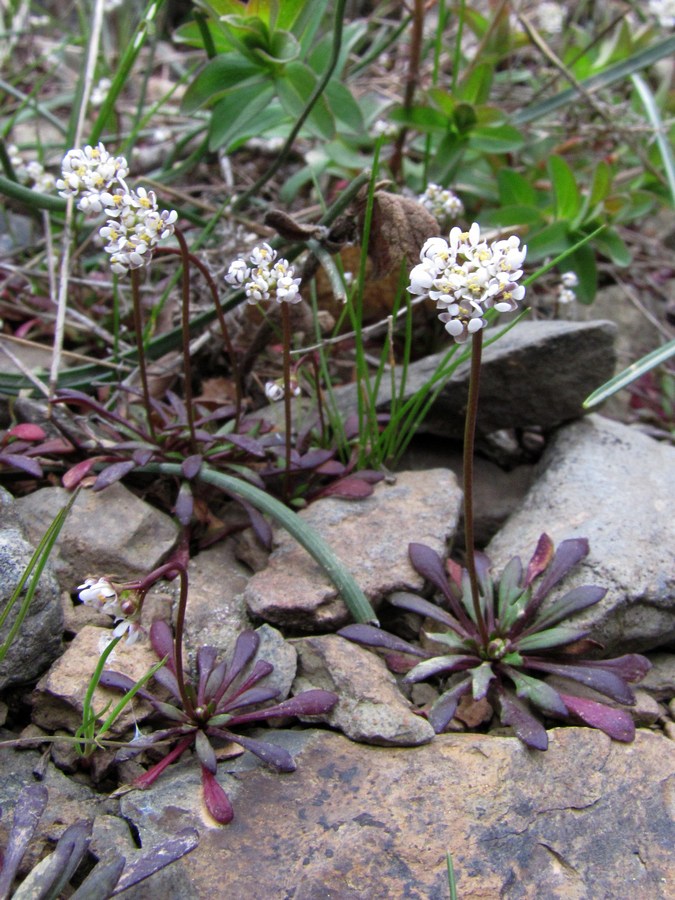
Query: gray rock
{"x":370,"y":536}
{"x":216,"y":612}
{"x":660,"y":680}
{"x":612,"y":484}
{"x":538,"y":374}
{"x":370,"y":707}
{"x":110,"y":532}
{"x":283,"y":656}
{"x":355,"y":821}
{"x":38,"y":640}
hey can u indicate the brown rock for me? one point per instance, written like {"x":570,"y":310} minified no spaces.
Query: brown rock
{"x":370,"y":708}
{"x":370,"y":536}
{"x":59,"y":695}
{"x":589,"y":818}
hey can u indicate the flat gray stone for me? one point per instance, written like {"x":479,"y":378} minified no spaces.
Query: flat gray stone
{"x":612,"y":484}
{"x":537,"y":374}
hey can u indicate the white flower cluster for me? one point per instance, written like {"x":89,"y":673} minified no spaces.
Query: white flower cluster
{"x":568,"y":281}
{"x":100,"y":594}
{"x":265,"y":277}
{"x":664,"y":12}
{"x":466,"y":276}
{"x":136,"y":225}
{"x":31,"y":173}
{"x":274,"y":390}
{"x":441,"y":203}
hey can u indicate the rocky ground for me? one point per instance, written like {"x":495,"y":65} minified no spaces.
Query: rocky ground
{"x":375,"y":803}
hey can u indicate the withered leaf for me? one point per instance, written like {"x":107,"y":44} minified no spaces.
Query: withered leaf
{"x":398,"y":229}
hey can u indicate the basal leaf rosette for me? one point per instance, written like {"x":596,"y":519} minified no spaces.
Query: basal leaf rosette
{"x":529,"y":640}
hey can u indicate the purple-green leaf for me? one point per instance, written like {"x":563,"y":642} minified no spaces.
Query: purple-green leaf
{"x":572,"y":602}
{"x":161,"y":638}
{"x":370,"y":636}
{"x":568,"y":554}
{"x":216,"y":800}
{"x":191,"y":465}
{"x":29,"y":807}
{"x":514,"y":713}
{"x":143,"y":865}
{"x":617,"y":723}
{"x":416,"y":604}
{"x":440,"y":665}
{"x":430,"y":566}
{"x":205,"y":752}
{"x":540,"y":694}
{"x":444,"y":708}
{"x":550,"y":637}
{"x":112,"y":473}
{"x":601,"y":679}
{"x":541,"y":558}
{"x":271,"y":754}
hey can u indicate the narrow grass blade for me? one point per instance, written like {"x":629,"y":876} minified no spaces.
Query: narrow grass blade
{"x":631,"y":374}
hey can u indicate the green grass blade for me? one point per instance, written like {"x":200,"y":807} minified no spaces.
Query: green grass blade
{"x":632,"y":373}
{"x":619,"y":71}
{"x":33,"y":570}
{"x":660,"y":130}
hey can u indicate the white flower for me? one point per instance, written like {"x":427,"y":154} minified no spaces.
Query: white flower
{"x":441,"y":203}
{"x":99,"y":593}
{"x":238,"y":273}
{"x":137,"y":229}
{"x":100,"y":91}
{"x":91,"y":169}
{"x":31,"y":173}
{"x":466,"y":276}
{"x":264,"y":278}
{"x":550,"y":17}
{"x":569,"y":279}
{"x":274,"y":391}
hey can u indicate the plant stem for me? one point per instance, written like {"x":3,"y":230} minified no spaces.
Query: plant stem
{"x":288,"y":423}
{"x":412,"y":79}
{"x":140,"y":349}
{"x":469,"y":441}
{"x":178,"y":642}
{"x":185,"y":321}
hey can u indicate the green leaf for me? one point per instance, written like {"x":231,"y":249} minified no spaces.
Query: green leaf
{"x":190,"y":35}
{"x":448,"y":639}
{"x":599,"y":191}
{"x":537,"y":692}
{"x":498,"y":139}
{"x":515,"y":189}
{"x":480,"y":680}
{"x":220,"y":75}
{"x":343,"y":106}
{"x":295,"y":87}
{"x":475,"y":88}
{"x":565,"y":190}
{"x":447,"y":158}
{"x":550,"y":637}
{"x":512,"y":215}
{"x":612,"y":245}
{"x":423,"y":118}
{"x":632,"y":373}
{"x":236,"y":112}
{"x":549,"y":241}
{"x":642,"y":60}
{"x":284,"y":47}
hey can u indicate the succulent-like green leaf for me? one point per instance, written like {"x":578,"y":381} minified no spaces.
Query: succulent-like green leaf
{"x":510,"y":586}
{"x":415,"y":603}
{"x":449,"y":639}
{"x":480,"y":680}
{"x":550,"y":637}
{"x":539,"y":693}
{"x":205,"y":752}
